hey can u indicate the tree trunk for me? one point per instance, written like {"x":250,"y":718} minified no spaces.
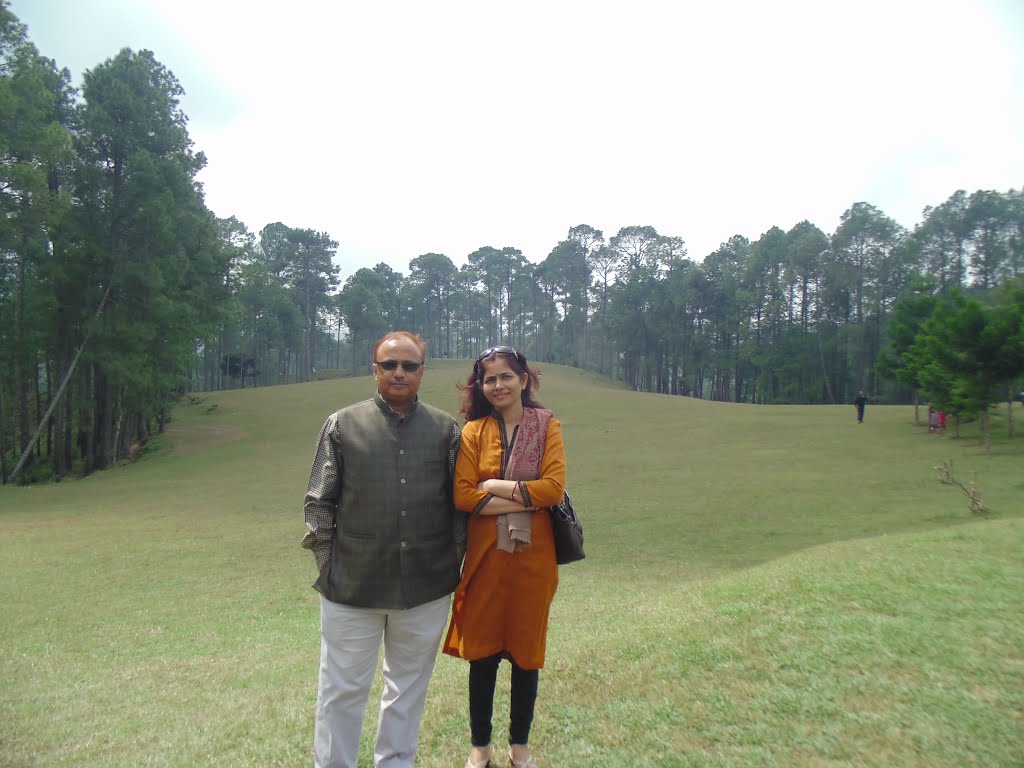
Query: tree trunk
{"x":337,"y":351}
{"x":221,"y":351}
{"x":69,"y":413}
{"x":104,"y":421}
{"x":49,"y":422}
{"x":117,"y":405}
{"x":24,"y":428}
{"x":129,"y":430}
{"x":3,"y":434}
{"x":39,"y":404}
{"x":307,"y":363}
{"x":57,"y":422}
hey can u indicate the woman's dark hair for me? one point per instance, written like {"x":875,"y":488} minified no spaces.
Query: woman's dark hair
{"x":475,"y":404}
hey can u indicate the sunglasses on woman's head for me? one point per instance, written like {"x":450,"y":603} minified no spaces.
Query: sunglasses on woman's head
{"x":390,"y":365}
{"x":502,"y":350}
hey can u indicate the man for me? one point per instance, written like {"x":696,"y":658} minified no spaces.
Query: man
{"x":387,"y":541}
{"x":859,"y":402}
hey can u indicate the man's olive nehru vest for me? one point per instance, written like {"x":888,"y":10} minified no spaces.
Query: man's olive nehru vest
{"x":394,"y":543}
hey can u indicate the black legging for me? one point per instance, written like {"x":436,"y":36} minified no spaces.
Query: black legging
{"x":483,"y":675}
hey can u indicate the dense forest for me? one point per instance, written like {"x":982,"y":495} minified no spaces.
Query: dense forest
{"x":120,"y":291}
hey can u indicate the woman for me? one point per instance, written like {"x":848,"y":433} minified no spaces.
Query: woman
{"x":510,"y":469}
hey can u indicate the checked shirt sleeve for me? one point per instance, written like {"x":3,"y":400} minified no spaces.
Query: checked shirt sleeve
{"x":453,"y":448}
{"x":460,"y":521}
{"x":320,"y":507}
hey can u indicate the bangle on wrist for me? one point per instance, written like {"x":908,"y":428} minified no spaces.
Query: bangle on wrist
{"x":513,"y":497}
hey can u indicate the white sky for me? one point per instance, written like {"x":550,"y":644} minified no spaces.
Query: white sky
{"x":404,"y":128}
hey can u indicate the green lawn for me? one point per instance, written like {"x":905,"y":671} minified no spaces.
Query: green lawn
{"x":765,"y":586}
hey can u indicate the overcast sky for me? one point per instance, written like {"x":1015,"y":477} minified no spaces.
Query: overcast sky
{"x":404,"y":128}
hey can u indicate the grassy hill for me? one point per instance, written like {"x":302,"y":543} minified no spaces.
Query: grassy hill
{"x":765,"y":585}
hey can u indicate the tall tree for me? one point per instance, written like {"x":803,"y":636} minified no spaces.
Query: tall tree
{"x":149,"y":241}
{"x":636,"y":273}
{"x":942,"y":238}
{"x":634,"y":247}
{"x":968,"y":354}
{"x":807,"y":247}
{"x":362,"y":304}
{"x":35,"y":151}
{"x":432,"y":281}
{"x":590,"y":241}
{"x":864,"y":248}
{"x":602,"y":263}
{"x":905,"y":323}
{"x":312,"y":274}
{"x":763,"y":283}
{"x":566,"y":274}
{"x":1015,"y":234}
{"x":496,"y":271}
{"x":728,"y":311}
{"x":988,"y":220}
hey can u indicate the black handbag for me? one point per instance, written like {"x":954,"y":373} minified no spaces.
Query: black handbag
{"x":568,"y":532}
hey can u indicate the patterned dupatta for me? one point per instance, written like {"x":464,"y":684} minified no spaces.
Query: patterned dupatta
{"x":514,"y":528}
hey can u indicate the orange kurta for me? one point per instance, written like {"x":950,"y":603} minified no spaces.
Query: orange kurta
{"x":503,"y":599}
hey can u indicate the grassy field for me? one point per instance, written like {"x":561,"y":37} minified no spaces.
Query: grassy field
{"x":765,"y":586}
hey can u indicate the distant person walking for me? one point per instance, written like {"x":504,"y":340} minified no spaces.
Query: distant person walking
{"x":381,"y":523}
{"x":859,"y":402}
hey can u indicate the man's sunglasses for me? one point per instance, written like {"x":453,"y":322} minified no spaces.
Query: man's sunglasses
{"x":502,"y":350}
{"x":390,"y":365}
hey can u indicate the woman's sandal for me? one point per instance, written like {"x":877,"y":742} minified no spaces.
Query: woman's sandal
{"x":485,"y":763}
{"x":527,"y":763}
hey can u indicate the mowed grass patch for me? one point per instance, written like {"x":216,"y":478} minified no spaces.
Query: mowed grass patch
{"x":903,"y":650}
{"x":764,"y":586}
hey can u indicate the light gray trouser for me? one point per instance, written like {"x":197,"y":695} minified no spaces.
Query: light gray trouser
{"x":349,"y":645}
